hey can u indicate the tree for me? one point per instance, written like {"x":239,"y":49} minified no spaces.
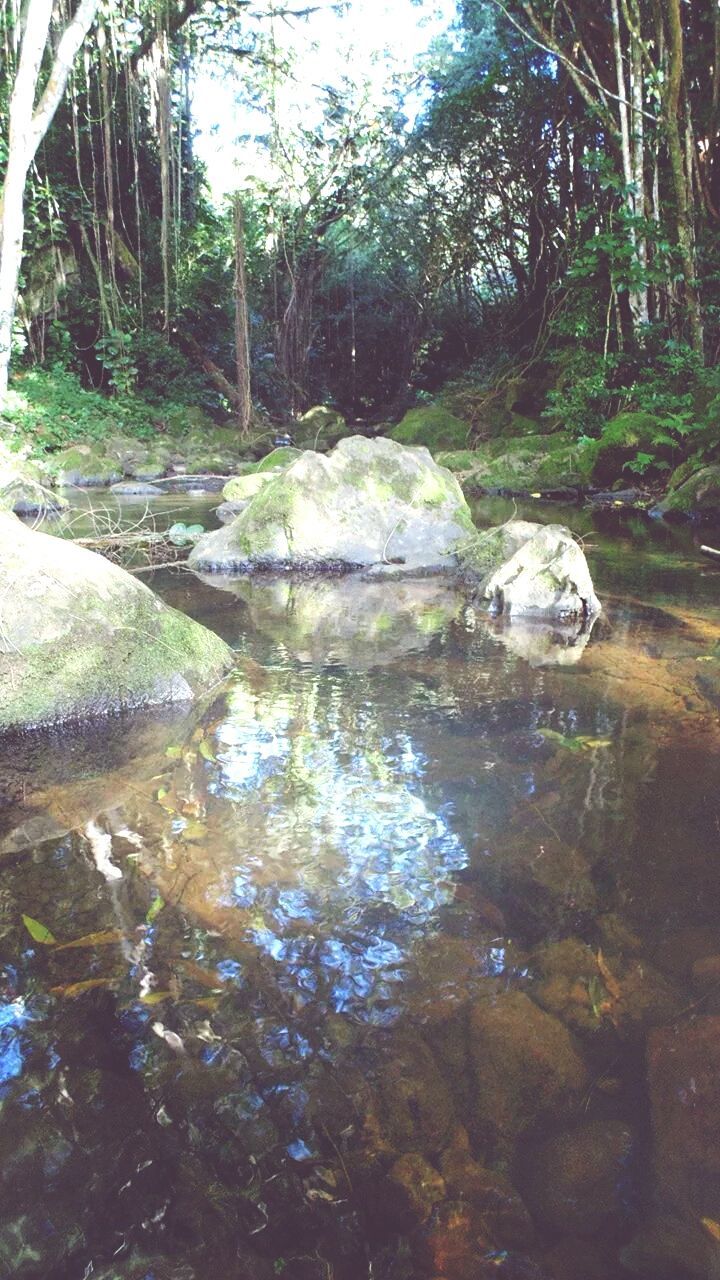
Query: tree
{"x":29,"y":121}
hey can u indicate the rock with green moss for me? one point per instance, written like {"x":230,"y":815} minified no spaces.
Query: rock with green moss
{"x":530,"y":570}
{"x":81,"y":637}
{"x":321,"y":428}
{"x":433,"y":426}
{"x":693,"y":494}
{"x":240,"y":489}
{"x":542,"y":464}
{"x":370,"y":503}
{"x":84,"y":467}
{"x":277,"y":459}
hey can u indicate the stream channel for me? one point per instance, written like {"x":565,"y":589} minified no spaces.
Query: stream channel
{"x":397,"y":957}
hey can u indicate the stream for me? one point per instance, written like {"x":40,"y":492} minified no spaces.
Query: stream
{"x":398,"y":957}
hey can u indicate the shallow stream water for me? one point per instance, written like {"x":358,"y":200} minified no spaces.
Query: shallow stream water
{"x":399,"y":957}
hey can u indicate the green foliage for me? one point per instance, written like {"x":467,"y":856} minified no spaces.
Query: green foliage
{"x":50,"y":409}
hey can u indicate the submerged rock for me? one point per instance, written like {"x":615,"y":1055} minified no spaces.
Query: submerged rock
{"x":79,"y":636}
{"x":579,"y":1181}
{"x":684,"y":1079}
{"x":371,"y":503}
{"x":136,"y":488}
{"x":526,"y":1066}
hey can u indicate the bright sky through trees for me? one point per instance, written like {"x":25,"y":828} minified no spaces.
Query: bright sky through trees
{"x":365,"y":42}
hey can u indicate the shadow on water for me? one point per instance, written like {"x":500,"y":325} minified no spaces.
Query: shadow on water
{"x":378,"y":964}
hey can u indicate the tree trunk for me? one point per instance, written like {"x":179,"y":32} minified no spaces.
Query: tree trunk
{"x":28,"y":125}
{"x":680,"y":179}
{"x":242,"y":336}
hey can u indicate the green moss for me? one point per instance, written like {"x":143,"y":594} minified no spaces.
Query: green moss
{"x":458,"y":460}
{"x":242,"y":488}
{"x":282,"y":457}
{"x":432,"y":426}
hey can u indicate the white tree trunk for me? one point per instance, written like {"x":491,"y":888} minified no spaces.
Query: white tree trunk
{"x":28,"y":125}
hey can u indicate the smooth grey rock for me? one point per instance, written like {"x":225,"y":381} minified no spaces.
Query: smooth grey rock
{"x":545,"y":575}
{"x":132,"y":488}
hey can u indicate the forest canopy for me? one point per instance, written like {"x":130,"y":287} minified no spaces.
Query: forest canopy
{"x":540,"y":190}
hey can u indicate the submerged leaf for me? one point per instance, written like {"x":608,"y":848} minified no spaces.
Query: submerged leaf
{"x":74,"y":989}
{"x":156,"y":997}
{"x":712,"y":1227}
{"x":174,"y":753}
{"x":206,"y":750}
{"x":154,"y":909}
{"x":105,"y":938}
{"x":38,"y":932}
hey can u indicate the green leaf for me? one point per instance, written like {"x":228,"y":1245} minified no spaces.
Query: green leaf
{"x":154,"y":909}
{"x":174,"y":753}
{"x":38,"y":932}
{"x":206,"y":750}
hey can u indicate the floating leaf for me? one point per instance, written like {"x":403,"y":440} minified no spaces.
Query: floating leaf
{"x":38,"y":932}
{"x":154,"y":909}
{"x":206,"y":750}
{"x":105,"y":938}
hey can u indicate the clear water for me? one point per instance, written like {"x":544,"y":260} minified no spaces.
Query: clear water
{"x":291,"y":903}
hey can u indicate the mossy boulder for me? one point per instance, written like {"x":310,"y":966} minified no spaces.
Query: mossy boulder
{"x":369,"y":503}
{"x":622,"y":439}
{"x":84,"y":467}
{"x":527,"y":464}
{"x":693,"y":494}
{"x":321,"y":428}
{"x":277,"y":459}
{"x":242,"y":488}
{"x":81,"y":637}
{"x":433,"y":426}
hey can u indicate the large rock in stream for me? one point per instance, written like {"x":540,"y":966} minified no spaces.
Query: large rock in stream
{"x":79,"y":636}
{"x":384,"y":509}
{"x":369,"y":503}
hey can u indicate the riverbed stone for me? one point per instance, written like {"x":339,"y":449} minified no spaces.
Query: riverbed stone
{"x":135,"y":488}
{"x":369,"y":503}
{"x":580,"y":1181}
{"x":79,"y":636}
{"x":526,"y":1066}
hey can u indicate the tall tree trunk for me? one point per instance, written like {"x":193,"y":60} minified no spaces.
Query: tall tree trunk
{"x":682,"y":181}
{"x":242,"y":336}
{"x":28,"y":124}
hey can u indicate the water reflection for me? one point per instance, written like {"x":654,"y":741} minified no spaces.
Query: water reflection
{"x":339,"y":959}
